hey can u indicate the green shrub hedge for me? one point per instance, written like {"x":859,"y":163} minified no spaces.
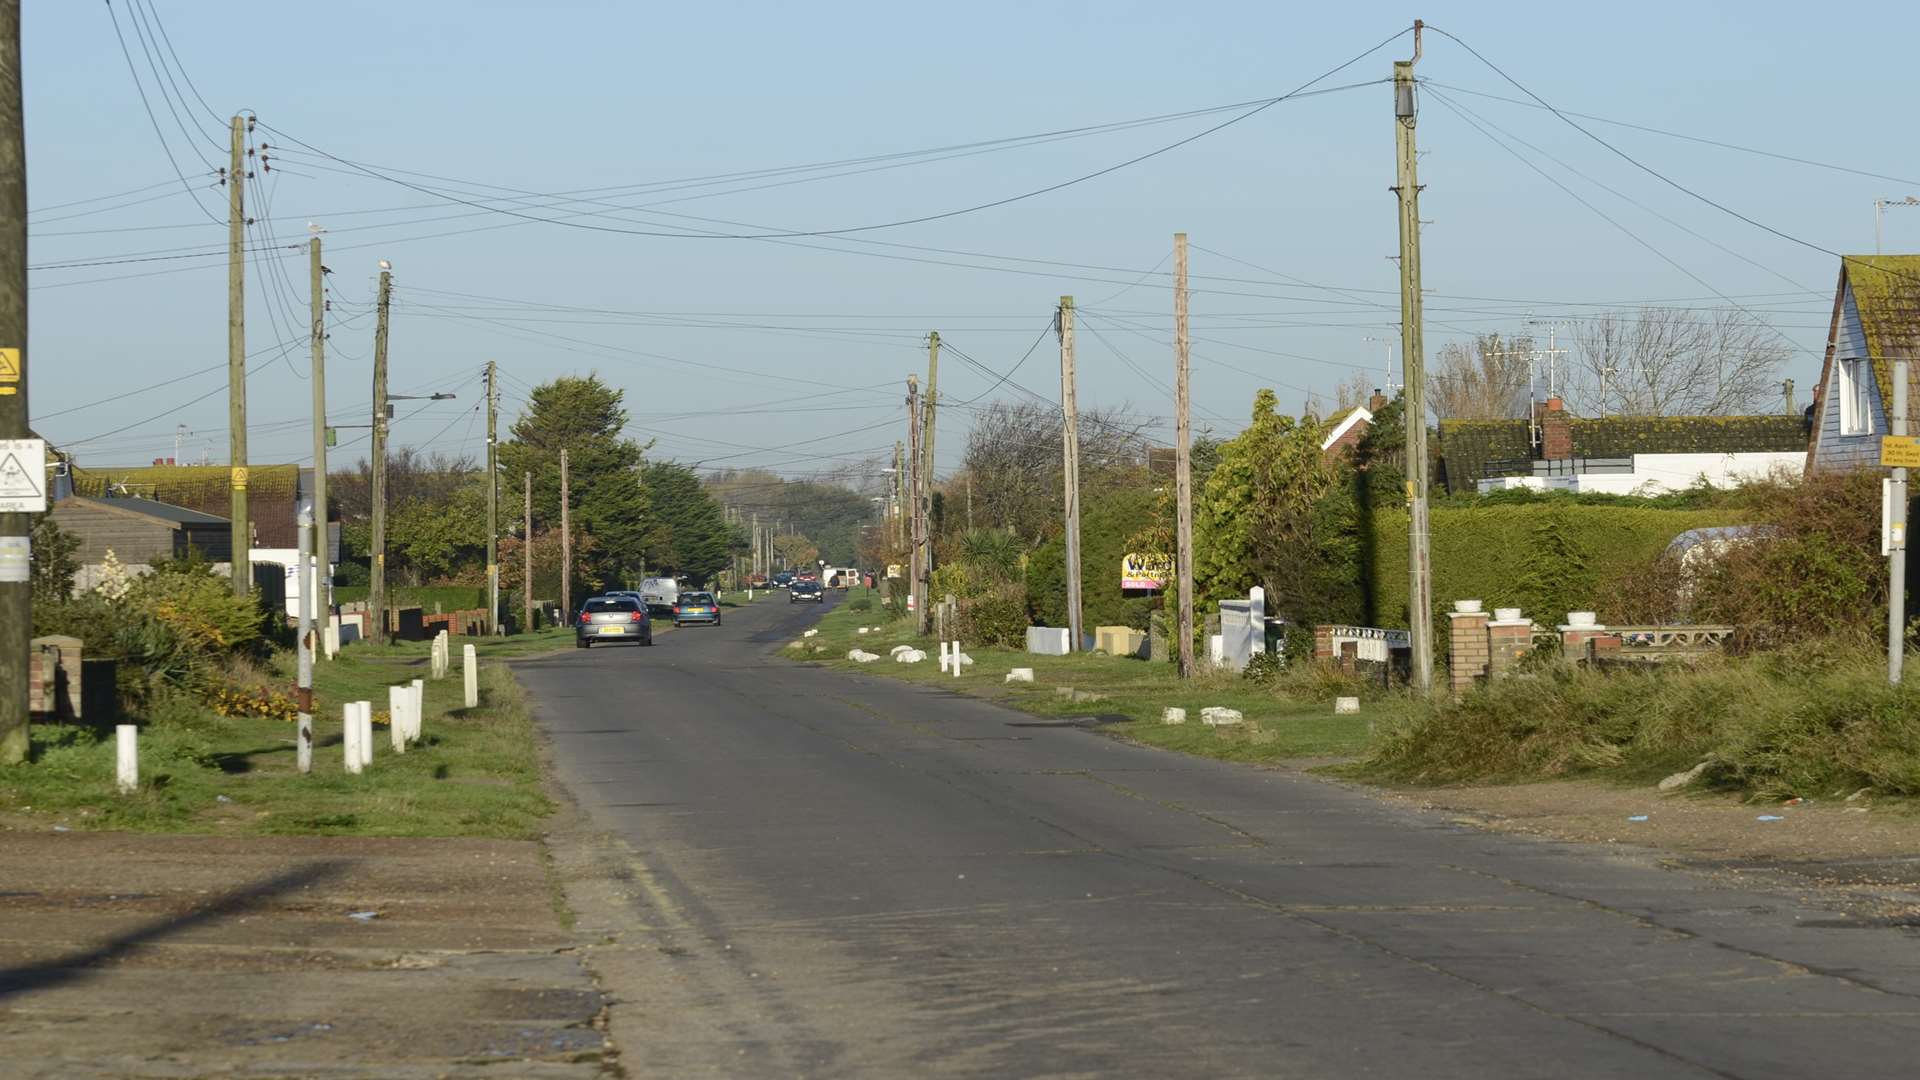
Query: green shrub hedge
{"x":1545,"y":557}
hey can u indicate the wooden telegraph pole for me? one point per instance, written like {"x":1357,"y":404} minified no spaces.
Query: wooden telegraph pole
{"x":493,"y":502}
{"x":566,"y":540}
{"x":1182,"y":458}
{"x":917,"y":535}
{"x":323,"y":611}
{"x":1407,"y":187}
{"x":242,"y":534}
{"x":526,"y":554}
{"x":377,"y":584}
{"x":1070,"y":449}
{"x":16,"y":588}
{"x":930,"y":402}
{"x":899,"y":514}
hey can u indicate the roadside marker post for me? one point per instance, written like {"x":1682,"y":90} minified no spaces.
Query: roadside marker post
{"x":470,"y":674}
{"x":956,"y":659}
{"x":350,"y":736}
{"x":416,"y":708}
{"x":399,"y":698}
{"x":366,"y":732}
{"x":126,"y":739}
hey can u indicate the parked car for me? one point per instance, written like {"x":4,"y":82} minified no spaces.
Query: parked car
{"x":783,"y":579}
{"x":806,"y":589}
{"x":612,"y":618}
{"x":696,"y":607}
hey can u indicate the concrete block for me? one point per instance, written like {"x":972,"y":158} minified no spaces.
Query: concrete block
{"x":1048,"y":640}
{"x":1063,"y":692}
{"x":911,"y":656}
{"x":810,"y":633}
{"x":1216,"y":716}
{"x":1346,"y":706}
{"x":1172,"y":715}
{"x":861,"y":656}
{"x":1119,"y":641}
{"x":1088,"y":695}
{"x":898,"y":649}
{"x":1020,"y":674}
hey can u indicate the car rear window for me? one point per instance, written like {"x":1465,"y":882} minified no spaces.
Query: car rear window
{"x":695,"y":598}
{"x":598,"y":607}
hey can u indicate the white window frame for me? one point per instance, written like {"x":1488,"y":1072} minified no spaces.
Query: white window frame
{"x":1856,"y":402}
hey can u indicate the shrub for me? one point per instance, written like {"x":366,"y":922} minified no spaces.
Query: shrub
{"x":860,"y":603}
{"x":995,"y":617}
{"x":201,"y":608}
{"x":1812,"y":720}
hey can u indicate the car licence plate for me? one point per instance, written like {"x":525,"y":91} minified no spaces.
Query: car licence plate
{"x":613,"y":630}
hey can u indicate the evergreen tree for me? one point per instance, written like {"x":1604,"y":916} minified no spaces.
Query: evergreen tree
{"x":585,"y":417}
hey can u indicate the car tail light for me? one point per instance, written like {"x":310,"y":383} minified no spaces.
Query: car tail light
{"x":636,"y":616}
{"x":585,"y":618}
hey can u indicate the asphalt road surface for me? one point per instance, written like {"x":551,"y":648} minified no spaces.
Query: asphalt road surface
{"x":837,"y":875}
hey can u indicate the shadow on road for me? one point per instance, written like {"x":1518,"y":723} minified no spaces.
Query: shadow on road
{"x":68,"y":968}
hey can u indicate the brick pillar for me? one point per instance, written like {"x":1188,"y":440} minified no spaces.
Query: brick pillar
{"x":1350,"y":656}
{"x":1556,"y":431}
{"x":1579,"y":629}
{"x":1323,"y":643}
{"x":1509,"y":639}
{"x":1468,"y":653}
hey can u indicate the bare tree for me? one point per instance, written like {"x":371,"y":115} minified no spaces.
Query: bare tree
{"x":1676,"y":362}
{"x":1013,"y":461}
{"x":1485,"y":379}
{"x":1354,"y":390}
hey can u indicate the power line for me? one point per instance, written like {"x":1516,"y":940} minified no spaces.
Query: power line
{"x":151,"y":118}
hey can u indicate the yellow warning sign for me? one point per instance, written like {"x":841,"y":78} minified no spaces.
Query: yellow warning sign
{"x":9,"y":365}
{"x":239,"y":478}
{"x":1900,"y":452}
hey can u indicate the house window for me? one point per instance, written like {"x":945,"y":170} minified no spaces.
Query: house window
{"x":1856,"y":397}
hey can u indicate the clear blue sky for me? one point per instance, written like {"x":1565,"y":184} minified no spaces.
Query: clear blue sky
{"x":567,"y":96}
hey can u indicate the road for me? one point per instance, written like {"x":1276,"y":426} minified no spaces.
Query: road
{"x":840,"y":875}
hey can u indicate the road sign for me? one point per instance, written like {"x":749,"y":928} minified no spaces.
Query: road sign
{"x":9,"y":371}
{"x":23,"y":476}
{"x":1900,"y":451}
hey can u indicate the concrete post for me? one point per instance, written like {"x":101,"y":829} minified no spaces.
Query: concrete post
{"x":399,"y":698}
{"x":366,"y":732}
{"x":350,"y":736}
{"x":127,"y":758}
{"x":416,"y":708}
{"x":1256,"y":621}
{"x":470,"y":674}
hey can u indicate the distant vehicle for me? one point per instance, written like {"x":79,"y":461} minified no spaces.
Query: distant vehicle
{"x":840,"y":577}
{"x":806,"y":589}
{"x":612,"y":618}
{"x":664,"y":589}
{"x":757,"y":581}
{"x":783,"y":579}
{"x":696,"y":607}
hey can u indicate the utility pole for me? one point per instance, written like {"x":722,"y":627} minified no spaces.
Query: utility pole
{"x":526,"y":553}
{"x":917,"y":535}
{"x":493,"y":502}
{"x":242,"y":533}
{"x":932,"y":401}
{"x":899,"y":514}
{"x":1413,"y":362}
{"x":16,"y":588}
{"x":321,"y":551}
{"x":566,"y":539}
{"x":1896,"y":494}
{"x":1070,"y":447}
{"x":1182,"y":458}
{"x":377,"y":585}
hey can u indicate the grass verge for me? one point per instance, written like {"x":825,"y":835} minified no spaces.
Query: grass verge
{"x":474,"y":773}
{"x":1129,"y":694}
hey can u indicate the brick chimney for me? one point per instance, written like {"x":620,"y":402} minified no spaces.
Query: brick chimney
{"x":1377,"y":402}
{"x":1556,"y":431}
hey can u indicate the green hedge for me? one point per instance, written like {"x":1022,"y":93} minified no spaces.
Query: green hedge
{"x":1529,"y":555}
{"x":449,"y":597}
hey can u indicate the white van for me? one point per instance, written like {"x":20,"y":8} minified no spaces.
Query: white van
{"x":665,"y":589}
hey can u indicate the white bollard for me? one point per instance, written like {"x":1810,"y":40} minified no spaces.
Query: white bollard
{"x":416,"y":710}
{"x":366,"y":732}
{"x":956,"y":659}
{"x":350,"y":735}
{"x":398,"y":700}
{"x":749,"y":595}
{"x":126,"y":742}
{"x":470,"y":670}
{"x":330,"y":637}
{"x":943,"y":656}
